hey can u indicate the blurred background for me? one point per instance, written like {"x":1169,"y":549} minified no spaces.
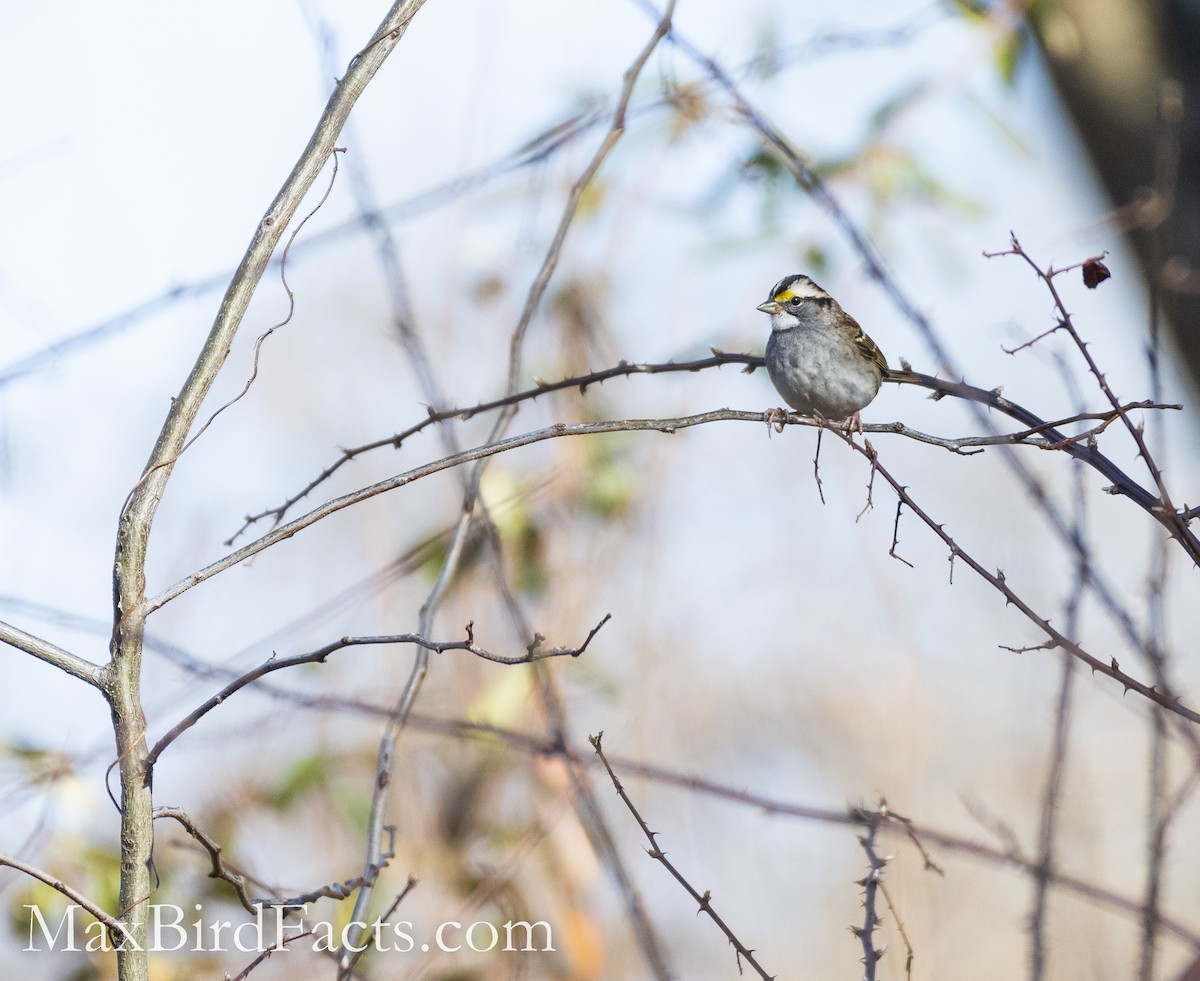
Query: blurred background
{"x":761,"y":640}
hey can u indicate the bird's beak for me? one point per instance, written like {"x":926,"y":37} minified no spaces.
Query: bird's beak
{"x":769,"y":307}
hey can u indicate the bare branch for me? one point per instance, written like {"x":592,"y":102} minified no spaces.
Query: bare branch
{"x":43,"y":650}
{"x":137,"y":516}
{"x":656,"y":853}
{"x":115,"y":926}
{"x":533,"y":652}
{"x":871,"y":919}
{"x":359,"y":954}
{"x":268,"y":953}
{"x":407,"y":698}
{"x":1054,"y":439}
{"x":895,"y":529}
{"x":1171,"y":517}
{"x":219,"y":868}
{"x":336,"y":890}
{"x":1055,"y":639}
{"x":291,"y":310}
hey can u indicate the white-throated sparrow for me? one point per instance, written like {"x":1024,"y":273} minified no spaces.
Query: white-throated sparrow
{"x":818,"y":357}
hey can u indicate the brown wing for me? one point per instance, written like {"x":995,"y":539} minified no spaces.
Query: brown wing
{"x":862,"y":343}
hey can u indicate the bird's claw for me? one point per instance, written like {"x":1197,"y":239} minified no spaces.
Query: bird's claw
{"x":775,"y":419}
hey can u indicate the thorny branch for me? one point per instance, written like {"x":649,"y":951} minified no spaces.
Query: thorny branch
{"x":871,"y":919}
{"x":673,"y":425}
{"x":704,"y":901}
{"x":534,"y":652}
{"x":997,"y":580}
{"x":1052,"y":438}
{"x":552,"y":748}
{"x":1171,"y":516}
{"x":811,"y":182}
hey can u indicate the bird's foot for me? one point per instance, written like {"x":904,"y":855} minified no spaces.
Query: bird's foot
{"x":775,"y":419}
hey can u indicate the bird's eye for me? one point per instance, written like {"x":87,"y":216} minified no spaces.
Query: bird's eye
{"x":794,"y":301}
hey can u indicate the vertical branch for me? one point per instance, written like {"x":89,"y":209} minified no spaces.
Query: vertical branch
{"x":123,"y":679}
{"x":587,"y":806}
{"x":400,"y":714}
{"x":1159,"y":812}
{"x":870,"y":883}
{"x":1052,"y":791}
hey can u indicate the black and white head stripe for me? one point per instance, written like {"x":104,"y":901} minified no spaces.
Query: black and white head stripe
{"x":797,"y":287}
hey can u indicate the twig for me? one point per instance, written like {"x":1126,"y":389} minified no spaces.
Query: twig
{"x":997,"y":581}
{"x":895,"y":529}
{"x":817,"y":463}
{"x":291,"y":300}
{"x":135,"y":525}
{"x":267,"y":954}
{"x":534,"y":652}
{"x":870,"y":502}
{"x":1048,"y":645}
{"x":910,"y":954}
{"x":358,"y":955}
{"x":115,"y":926}
{"x":1054,"y":438}
{"x":219,"y":869}
{"x":704,"y":901}
{"x":537,"y":289}
{"x":1171,"y":516}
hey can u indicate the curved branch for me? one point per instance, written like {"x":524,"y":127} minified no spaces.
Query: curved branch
{"x":534,"y":652}
{"x":1122,"y":483}
{"x":1077,"y":446}
{"x":219,"y":870}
